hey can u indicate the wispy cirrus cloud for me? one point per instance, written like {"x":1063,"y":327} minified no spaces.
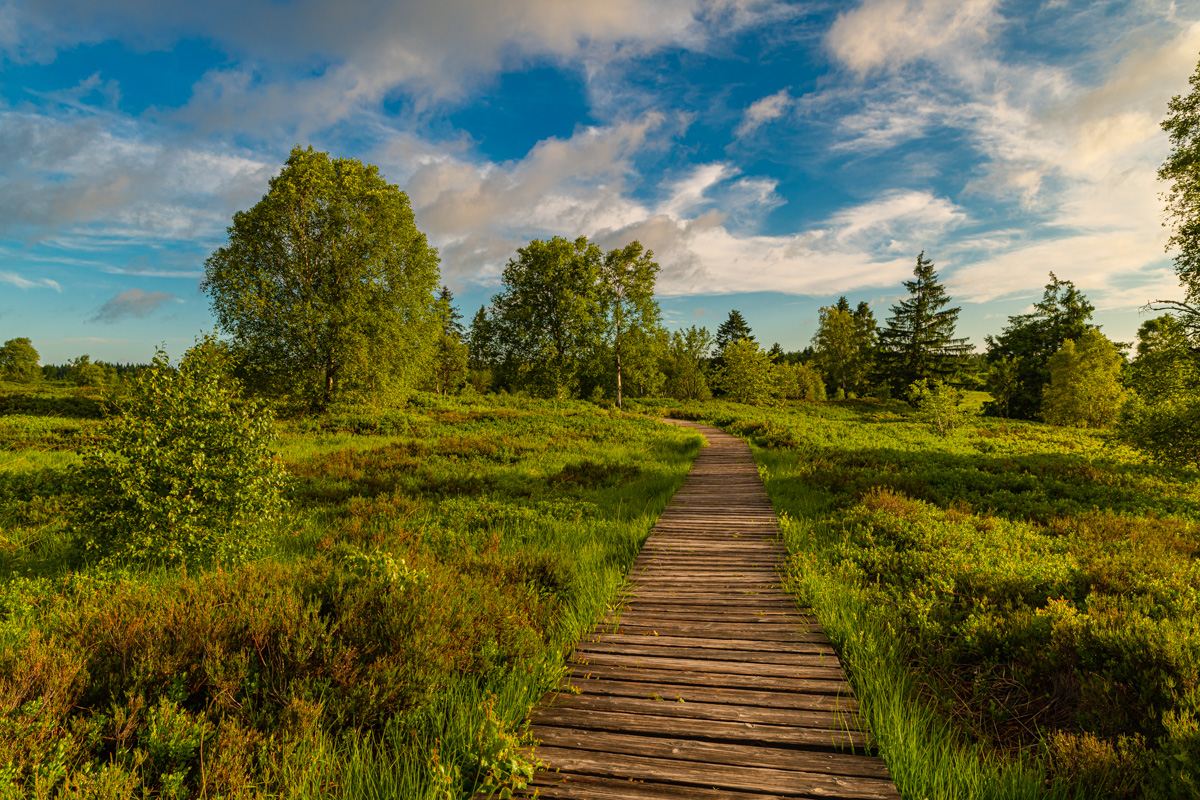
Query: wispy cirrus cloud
{"x":21,"y":282}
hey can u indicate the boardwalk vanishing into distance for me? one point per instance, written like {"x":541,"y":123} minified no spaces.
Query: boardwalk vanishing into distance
{"x":708,"y":682}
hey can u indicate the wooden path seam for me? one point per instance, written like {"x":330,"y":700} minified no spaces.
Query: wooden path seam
{"x":707,"y":682}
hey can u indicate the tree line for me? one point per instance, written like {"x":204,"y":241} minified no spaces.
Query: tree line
{"x":327,"y":292}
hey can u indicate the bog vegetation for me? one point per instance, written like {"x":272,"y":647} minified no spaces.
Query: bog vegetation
{"x":342,"y":547}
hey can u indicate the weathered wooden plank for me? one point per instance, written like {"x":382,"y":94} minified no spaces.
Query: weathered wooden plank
{"x":697,"y":729}
{"x":786,"y":783}
{"x":686,"y":748}
{"x":717,"y":643}
{"x":706,"y":694}
{"x":696,"y":678}
{"x":635,"y":661}
{"x":760,"y":715}
{"x":702,"y":653}
{"x":592,"y":787}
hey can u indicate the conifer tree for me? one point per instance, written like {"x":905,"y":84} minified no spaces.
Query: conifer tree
{"x":918,"y":342}
{"x":732,"y":330}
{"x":451,"y":353}
{"x":1020,"y":355}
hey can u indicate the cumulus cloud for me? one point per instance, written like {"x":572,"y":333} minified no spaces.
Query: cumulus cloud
{"x":132,"y":303}
{"x":358,"y":51}
{"x":1073,"y":146}
{"x":100,"y":176}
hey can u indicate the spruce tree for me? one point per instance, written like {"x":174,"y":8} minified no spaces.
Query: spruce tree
{"x":919,"y":342}
{"x":732,"y":330}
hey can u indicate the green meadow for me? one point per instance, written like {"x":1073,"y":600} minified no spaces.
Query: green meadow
{"x":1016,"y":603}
{"x":436,"y":565}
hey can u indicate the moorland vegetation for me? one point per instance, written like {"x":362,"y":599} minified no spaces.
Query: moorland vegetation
{"x":341,"y":548}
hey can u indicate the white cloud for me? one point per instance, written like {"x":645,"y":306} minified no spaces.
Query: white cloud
{"x":99,"y":176}
{"x":886,"y":34}
{"x":769,"y":108}
{"x":22,"y":282}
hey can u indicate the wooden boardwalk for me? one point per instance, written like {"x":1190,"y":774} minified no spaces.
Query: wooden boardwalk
{"x":711,"y":683}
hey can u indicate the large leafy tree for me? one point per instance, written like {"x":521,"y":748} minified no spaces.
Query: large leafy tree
{"x":685,"y":364}
{"x":918,"y":342}
{"x":19,"y":361}
{"x":629,"y":312}
{"x":845,"y":346}
{"x":1019,"y":357}
{"x":547,"y":314}
{"x":1181,"y":172}
{"x":326,"y":286}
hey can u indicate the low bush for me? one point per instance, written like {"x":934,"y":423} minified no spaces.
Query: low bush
{"x":183,"y":474}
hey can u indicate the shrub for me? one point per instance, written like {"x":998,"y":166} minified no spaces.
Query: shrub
{"x":797,"y":382}
{"x":1085,"y":383}
{"x":746,"y":376}
{"x":183,"y":475}
{"x":939,"y":404}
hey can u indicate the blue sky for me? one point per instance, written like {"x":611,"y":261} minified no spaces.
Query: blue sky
{"x":774,"y":155}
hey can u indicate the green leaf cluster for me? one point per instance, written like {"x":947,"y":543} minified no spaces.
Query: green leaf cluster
{"x":939,"y":403}
{"x":571,"y":321}
{"x":183,"y":475}
{"x":845,"y":344}
{"x":1085,"y":388}
{"x":685,"y":364}
{"x":1162,"y":416}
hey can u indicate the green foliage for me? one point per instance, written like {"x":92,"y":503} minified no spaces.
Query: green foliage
{"x":630,"y":316}
{"x":918,"y":342}
{"x":545,"y":317}
{"x":1085,"y":387}
{"x":451,"y":354}
{"x":686,"y":364}
{"x":940,"y":405}
{"x":1162,"y":416}
{"x":745,"y":376}
{"x":1020,"y":356}
{"x":19,"y":361}
{"x":797,"y":382}
{"x":83,"y":371}
{"x":845,"y":347}
{"x":184,"y":474}
{"x":326,"y":285}
{"x":1166,"y":367}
